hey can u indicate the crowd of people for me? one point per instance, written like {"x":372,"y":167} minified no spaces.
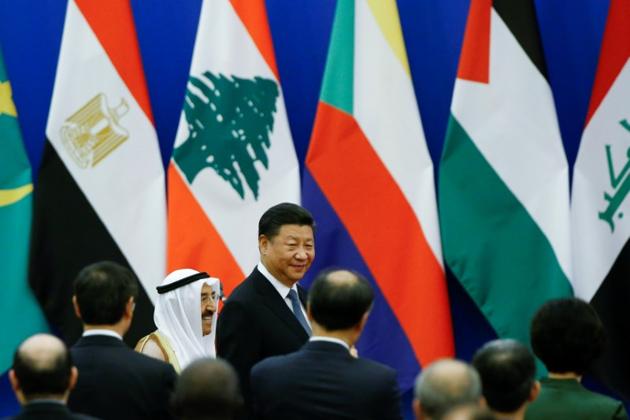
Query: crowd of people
{"x":278,"y":352}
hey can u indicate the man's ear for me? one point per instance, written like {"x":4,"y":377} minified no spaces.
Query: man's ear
{"x":263,"y":244}
{"x":363,"y":321}
{"x":308,"y":312}
{"x":129,"y":308}
{"x":75,"y":305}
{"x":15,"y":384}
{"x":417,"y":409}
{"x":74,"y":376}
{"x":535,"y":391}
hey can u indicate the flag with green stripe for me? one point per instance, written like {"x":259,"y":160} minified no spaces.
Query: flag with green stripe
{"x":16,"y":299}
{"x":503,"y":189}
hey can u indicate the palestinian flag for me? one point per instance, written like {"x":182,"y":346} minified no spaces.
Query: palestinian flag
{"x":15,"y":226}
{"x":100,"y":193}
{"x":601,"y":201}
{"x":233,"y":156}
{"x":503,"y":185}
{"x":370,"y":186}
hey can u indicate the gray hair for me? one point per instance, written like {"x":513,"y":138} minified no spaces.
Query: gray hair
{"x":445,"y":384}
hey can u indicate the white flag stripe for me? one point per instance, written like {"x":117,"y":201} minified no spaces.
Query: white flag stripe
{"x":515,"y":128}
{"x":387,"y":113}
{"x":596,"y":245}
{"x":126,"y":189}
{"x":224,"y":46}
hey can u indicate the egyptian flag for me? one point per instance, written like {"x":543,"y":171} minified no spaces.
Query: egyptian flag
{"x":100,"y":193}
{"x":503,"y":184}
{"x":369,"y":183}
{"x":601,"y":200}
{"x":234,"y":156}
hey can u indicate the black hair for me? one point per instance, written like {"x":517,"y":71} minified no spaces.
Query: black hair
{"x":339,"y":305}
{"x":41,"y":379}
{"x":283,"y":214}
{"x":102,"y":291}
{"x":207,"y":389}
{"x":507,"y":370}
{"x":567,"y":335}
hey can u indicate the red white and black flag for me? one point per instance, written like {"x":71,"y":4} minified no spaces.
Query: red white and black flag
{"x":601,"y":200}
{"x":100,"y":194}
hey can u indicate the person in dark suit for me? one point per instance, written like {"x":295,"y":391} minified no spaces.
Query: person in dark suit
{"x":323,"y":380}
{"x":115,"y":382}
{"x":508,"y":377}
{"x":42,"y":377}
{"x":265,"y":315}
{"x":567,"y":335}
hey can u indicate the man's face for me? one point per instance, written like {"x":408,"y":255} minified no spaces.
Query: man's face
{"x":208,"y":308}
{"x":289,"y":254}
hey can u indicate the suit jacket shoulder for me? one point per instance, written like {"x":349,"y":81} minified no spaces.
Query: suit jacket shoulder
{"x":256,"y":323}
{"x":567,"y":398}
{"x":321,"y":381}
{"x":116,"y":382}
{"x":48,"y":410}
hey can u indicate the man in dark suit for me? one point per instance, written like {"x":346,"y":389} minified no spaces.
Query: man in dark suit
{"x":42,"y":378}
{"x":323,"y":380}
{"x":115,"y":382}
{"x":265,"y":315}
{"x":508,"y":377}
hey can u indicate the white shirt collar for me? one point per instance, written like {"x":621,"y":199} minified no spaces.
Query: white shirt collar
{"x":330,"y":340}
{"x":89,"y":333}
{"x":282,"y":289}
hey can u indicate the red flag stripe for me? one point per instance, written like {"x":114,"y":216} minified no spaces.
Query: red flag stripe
{"x":384,"y":228}
{"x":614,"y":53}
{"x":193,"y":241}
{"x":474,"y":62}
{"x":114,"y":27}
{"x":253,"y":14}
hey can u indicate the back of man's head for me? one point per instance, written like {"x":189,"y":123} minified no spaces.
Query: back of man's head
{"x":102,"y":291}
{"x":283,"y":214}
{"x":42,"y":369}
{"x":207,"y":389}
{"x":339,"y":299}
{"x":507,"y":370}
{"x":567,"y":335}
{"x":443,"y":385}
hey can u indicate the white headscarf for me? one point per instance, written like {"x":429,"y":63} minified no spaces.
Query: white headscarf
{"x":178,"y":316}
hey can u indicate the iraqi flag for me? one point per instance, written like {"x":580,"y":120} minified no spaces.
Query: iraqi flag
{"x":15,"y":225}
{"x":369,"y":183}
{"x":503,"y":185}
{"x":601,"y":200}
{"x":234,"y":156}
{"x":100,"y":193}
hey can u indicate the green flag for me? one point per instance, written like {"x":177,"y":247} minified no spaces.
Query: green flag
{"x":20,"y":315}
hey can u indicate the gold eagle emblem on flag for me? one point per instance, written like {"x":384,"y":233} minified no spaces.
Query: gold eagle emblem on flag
{"x":94,"y":131}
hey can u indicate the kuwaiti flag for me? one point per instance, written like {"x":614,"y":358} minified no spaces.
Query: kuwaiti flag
{"x":233,"y":157}
{"x":370,"y":185}
{"x":601,"y":201}
{"x":503,"y":184}
{"x":100,"y":193}
{"x":16,"y":299}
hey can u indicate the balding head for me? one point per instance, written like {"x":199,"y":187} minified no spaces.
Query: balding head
{"x":42,"y":368}
{"x":443,"y":385}
{"x":339,"y":299}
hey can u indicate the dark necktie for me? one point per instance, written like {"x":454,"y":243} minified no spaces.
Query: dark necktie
{"x":297,"y":310}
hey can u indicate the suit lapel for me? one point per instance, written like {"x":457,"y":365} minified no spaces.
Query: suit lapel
{"x":276,"y":303}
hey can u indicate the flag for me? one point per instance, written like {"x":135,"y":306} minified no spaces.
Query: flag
{"x":16,"y":189}
{"x":100,"y":193}
{"x":234,"y":156}
{"x":369,"y":183}
{"x":503,"y":179}
{"x":600,"y":205}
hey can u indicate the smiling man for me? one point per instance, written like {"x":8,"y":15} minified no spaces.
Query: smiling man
{"x":265,"y":315}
